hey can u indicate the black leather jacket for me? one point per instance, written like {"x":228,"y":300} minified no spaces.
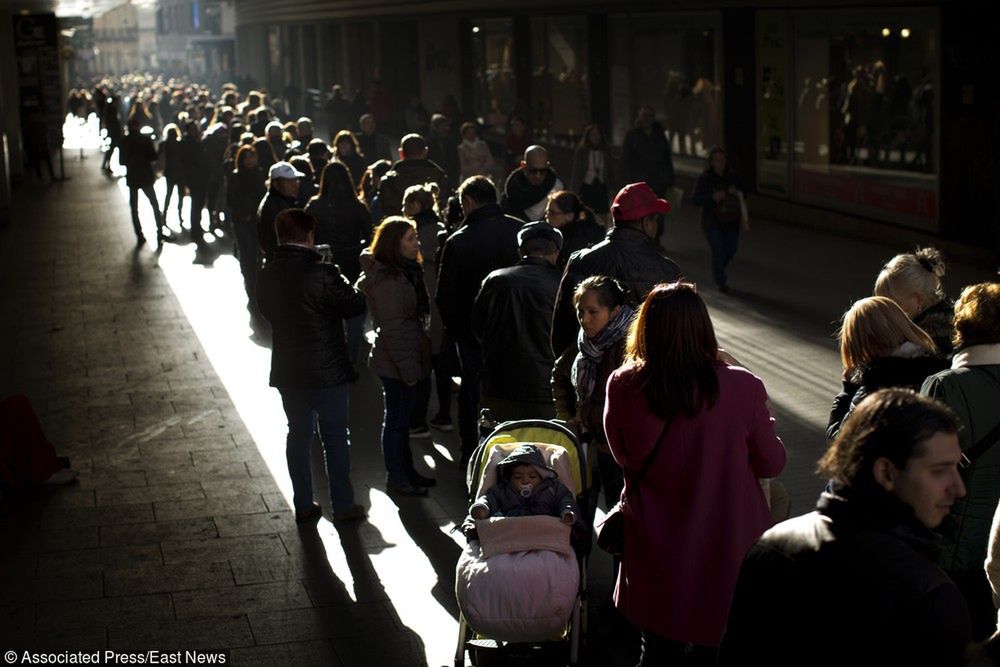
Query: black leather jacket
{"x":626,"y":254}
{"x":486,"y":242}
{"x":852,"y":583}
{"x":306,"y":302}
{"x":511,"y":319}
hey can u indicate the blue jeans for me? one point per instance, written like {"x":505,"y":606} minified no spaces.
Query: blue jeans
{"x":329,"y":407}
{"x":399,"y":399}
{"x":723,"y":244}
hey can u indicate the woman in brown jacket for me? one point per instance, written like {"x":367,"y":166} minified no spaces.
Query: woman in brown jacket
{"x":393,"y":283}
{"x":581,"y":373}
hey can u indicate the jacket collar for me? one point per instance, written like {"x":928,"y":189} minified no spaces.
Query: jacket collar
{"x":977,"y":355}
{"x":298,"y":251}
{"x":535,"y":261}
{"x":630,"y":236}
{"x":484,"y":212}
{"x":880,"y":511}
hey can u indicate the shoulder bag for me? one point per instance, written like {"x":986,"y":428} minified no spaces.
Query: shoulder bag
{"x":611,"y":529}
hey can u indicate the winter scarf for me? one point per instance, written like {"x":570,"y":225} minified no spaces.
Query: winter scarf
{"x":414,"y":274}
{"x":521,"y":194}
{"x":592,"y":350}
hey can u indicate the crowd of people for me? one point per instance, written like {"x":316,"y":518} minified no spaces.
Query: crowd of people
{"x":543,"y":311}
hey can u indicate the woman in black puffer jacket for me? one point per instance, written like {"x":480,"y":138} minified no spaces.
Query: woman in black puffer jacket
{"x":880,"y":347}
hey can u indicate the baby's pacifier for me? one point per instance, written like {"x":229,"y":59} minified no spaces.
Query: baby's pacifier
{"x":526,"y":490}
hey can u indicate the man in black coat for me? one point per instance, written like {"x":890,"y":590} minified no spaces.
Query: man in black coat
{"x":511,"y":320}
{"x":855,"y":582}
{"x":526,"y":192}
{"x":629,"y":254}
{"x":413,"y":168}
{"x":282,"y":193}
{"x":646,"y":153}
{"x":306,"y":301}
{"x":486,"y":241}
{"x":139,"y":154}
{"x":194,"y":161}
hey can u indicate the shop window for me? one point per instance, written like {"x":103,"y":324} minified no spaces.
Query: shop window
{"x":865,"y":113}
{"x":673,"y":64}
{"x":494,"y":92}
{"x":560,"y":90}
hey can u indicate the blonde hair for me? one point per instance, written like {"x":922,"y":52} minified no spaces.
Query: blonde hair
{"x":873,"y":328}
{"x":977,"y":316}
{"x":919,"y":272}
{"x":425,"y":194}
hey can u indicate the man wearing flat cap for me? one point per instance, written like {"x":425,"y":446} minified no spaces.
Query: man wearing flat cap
{"x":511,"y":320}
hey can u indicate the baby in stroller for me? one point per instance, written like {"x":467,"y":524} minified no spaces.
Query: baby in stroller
{"x":526,"y":486}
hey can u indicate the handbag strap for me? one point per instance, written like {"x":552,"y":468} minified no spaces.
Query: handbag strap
{"x":647,"y":464}
{"x":985,"y":443}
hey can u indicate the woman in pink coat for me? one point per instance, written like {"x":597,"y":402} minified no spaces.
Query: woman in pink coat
{"x":700,"y":506}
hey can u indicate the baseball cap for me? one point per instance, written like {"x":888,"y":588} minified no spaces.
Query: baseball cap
{"x":284,"y":170}
{"x":636,"y":201}
{"x":540,"y":230}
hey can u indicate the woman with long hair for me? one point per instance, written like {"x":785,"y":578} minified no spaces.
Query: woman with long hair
{"x":393,"y":283}
{"x":702,"y":433}
{"x":880,"y":347}
{"x":347,"y":152}
{"x":368,"y":189}
{"x":243,"y":194}
{"x":343,"y":223}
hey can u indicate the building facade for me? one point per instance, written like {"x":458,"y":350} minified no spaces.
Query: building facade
{"x":125,"y":39}
{"x":196,"y":38}
{"x":843,"y":116}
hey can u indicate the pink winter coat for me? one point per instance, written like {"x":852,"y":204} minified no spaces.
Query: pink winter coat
{"x":698,"y":509}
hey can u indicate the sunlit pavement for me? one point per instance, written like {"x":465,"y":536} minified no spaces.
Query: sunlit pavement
{"x":789,"y":288}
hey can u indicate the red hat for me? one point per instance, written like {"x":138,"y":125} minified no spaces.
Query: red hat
{"x":637,"y":200}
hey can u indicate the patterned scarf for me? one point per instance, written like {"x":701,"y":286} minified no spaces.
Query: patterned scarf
{"x":592,"y":352}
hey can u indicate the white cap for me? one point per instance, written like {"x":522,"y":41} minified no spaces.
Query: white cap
{"x":284,"y":170}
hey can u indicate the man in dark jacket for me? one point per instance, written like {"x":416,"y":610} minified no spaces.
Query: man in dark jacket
{"x":442,"y":147}
{"x":413,"y":168}
{"x":374,"y":146}
{"x":511,"y":320}
{"x":196,"y":175}
{"x":487,"y":241}
{"x":282,"y":194}
{"x":139,"y":154}
{"x":646,"y":153}
{"x":629,"y":254}
{"x":306,"y":301}
{"x":526,"y":192}
{"x":855,"y":581}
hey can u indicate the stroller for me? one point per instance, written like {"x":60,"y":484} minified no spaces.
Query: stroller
{"x":500,"y":623}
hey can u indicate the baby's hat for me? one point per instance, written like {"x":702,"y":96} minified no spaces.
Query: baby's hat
{"x":525,"y":454}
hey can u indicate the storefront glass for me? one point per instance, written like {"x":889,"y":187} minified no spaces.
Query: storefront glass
{"x":560,"y":90}
{"x":494,"y":93}
{"x":865,"y":113}
{"x":673,"y":64}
